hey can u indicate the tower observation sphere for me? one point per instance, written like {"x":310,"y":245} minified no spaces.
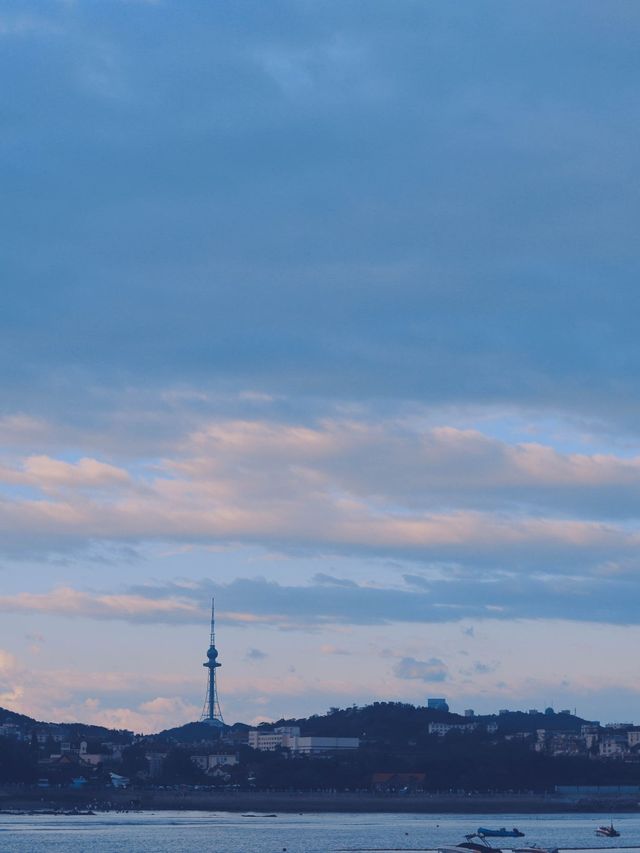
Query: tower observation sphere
{"x":211,"y":712}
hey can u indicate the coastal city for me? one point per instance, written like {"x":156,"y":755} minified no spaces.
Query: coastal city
{"x":383,"y":748}
{"x":386,"y":749}
{"x":73,"y":753}
{"x":319,"y":342}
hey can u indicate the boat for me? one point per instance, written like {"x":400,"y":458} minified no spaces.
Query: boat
{"x":500,"y":833}
{"x":259,"y":815}
{"x":535,"y":848}
{"x":479,"y":846}
{"x":607,"y":831}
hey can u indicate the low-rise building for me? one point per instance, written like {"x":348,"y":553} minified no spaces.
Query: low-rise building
{"x":288,"y":737}
{"x":11,"y":730}
{"x":613,"y":745}
{"x":208,"y":762}
{"x":441,"y":729}
{"x":270,"y":740}
{"x":633,"y":737}
{"x":318,"y":745}
{"x":155,"y":760}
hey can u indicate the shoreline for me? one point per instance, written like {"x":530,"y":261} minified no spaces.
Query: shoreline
{"x":65,"y":800}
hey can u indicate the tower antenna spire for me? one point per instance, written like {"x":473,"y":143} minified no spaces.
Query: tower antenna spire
{"x":211,"y":712}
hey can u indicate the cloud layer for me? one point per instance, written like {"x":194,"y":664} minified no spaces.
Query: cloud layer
{"x":351,"y":200}
{"x":441,"y":496}
{"x":349,"y":286}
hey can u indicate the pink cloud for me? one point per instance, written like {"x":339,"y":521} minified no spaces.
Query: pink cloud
{"x":343,"y":485}
{"x":65,"y":601}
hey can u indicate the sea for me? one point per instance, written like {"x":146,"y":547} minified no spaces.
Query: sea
{"x":224,"y":832}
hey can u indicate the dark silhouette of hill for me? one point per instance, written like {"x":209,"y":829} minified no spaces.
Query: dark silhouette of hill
{"x":191,"y":733}
{"x":399,"y":721}
{"x":394,"y":739}
{"x":389,"y":722}
{"x":85,"y":730}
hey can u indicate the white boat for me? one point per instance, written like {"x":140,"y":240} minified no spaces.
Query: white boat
{"x":535,"y":848}
{"x":479,"y":846}
{"x":607,"y":831}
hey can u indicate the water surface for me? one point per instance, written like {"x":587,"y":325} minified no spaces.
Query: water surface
{"x":224,"y":832}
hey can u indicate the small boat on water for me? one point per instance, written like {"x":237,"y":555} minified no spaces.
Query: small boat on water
{"x":479,"y":846}
{"x":607,"y":831}
{"x":259,"y":815}
{"x":500,"y":833}
{"x":535,"y":848}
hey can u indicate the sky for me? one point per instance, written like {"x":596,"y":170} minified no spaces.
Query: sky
{"x":330,"y":311}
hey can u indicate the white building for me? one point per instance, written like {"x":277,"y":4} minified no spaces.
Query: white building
{"x":210,"y":762}
{"x":268,"y":741}
{"x":441,"y":729}
{"x":288,"y":737}
{"x":316,"y":745}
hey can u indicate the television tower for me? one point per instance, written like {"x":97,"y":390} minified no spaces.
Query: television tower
{"x":211,"y":712}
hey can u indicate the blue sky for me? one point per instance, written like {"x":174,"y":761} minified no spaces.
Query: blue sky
{"x":330,"y":310}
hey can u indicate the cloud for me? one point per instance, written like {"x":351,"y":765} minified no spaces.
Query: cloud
{"x":322,"y":285}
{"x":440,"y":494}
{"x":421,"y":269}
{"x":65,"y":601}
{"x":255,"y":655}
{"x":432,"y":670}
{"x":484,"y":668}
{"x":11,"y":691}
{"x":148,"y":717}
{"x":253,"y":602}
{"x":323,"y":579}
{"x":330,"y":649}
{"x":47,"y":473}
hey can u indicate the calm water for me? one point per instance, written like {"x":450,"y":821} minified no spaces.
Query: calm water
{"x":221,"y":832}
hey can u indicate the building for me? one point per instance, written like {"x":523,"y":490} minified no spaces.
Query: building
{"x":560,"y":742}
{"x":437,"y":704}
{"x":614,"y":745}
{"x":318,"y":745}
{"x":270,"y":740}
{"x":92,"y":755}
{"x":288,"y":737}
{"x":441,"y":729}
{"x":213,"y":761}
{"x":155,"y":760}
{"x":633,"y":737}
{"x":11,"y":730}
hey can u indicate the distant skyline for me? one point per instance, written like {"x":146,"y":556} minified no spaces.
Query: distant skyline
{"x":328,"y":310}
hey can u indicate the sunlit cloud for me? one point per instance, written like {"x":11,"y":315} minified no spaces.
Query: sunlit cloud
{"x":436,"y":494}
{"x":65,"y":601}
